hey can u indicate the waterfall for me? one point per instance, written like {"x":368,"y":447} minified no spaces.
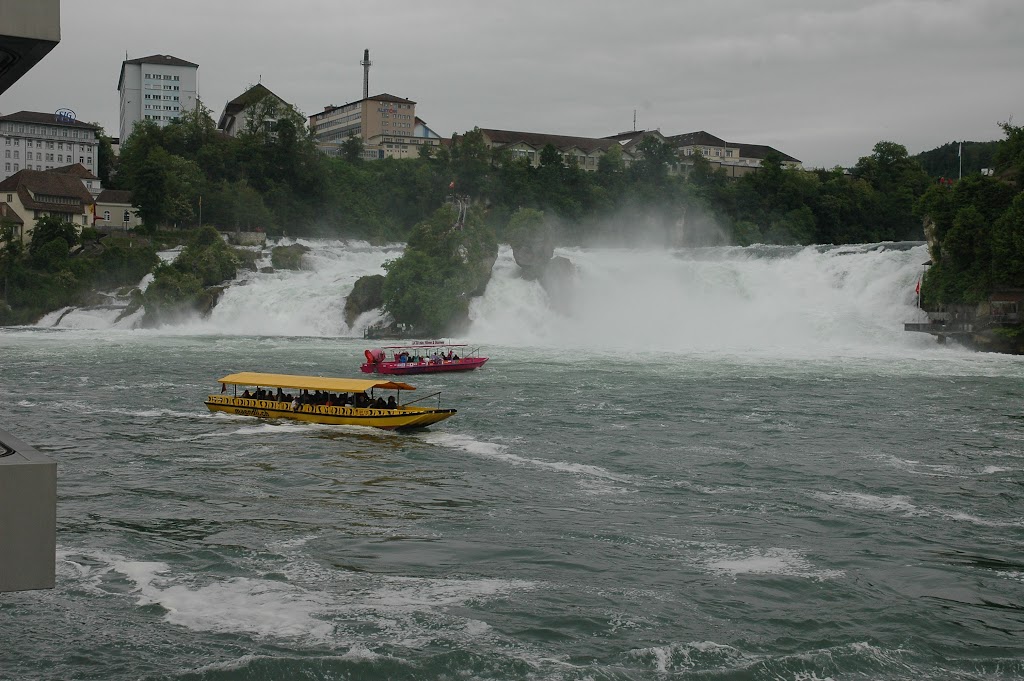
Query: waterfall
{"x":780,"y":299}
{"x":770,"y":298}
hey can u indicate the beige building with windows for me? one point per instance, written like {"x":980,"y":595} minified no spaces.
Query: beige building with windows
{"x":29,"y":195}
{"x":585,"y":152}
{"x":386,"y":124}
{"x":735,"y":158}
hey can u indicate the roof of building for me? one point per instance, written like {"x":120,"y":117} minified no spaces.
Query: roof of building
{"x":115,"y":196}
{"x":759,"y":151}
{"x":76,"y":169}
{"x":162,"y":59}
{"x":34,"y":187}
{"x":539,"y":139}
{"x":697,"y":139}
{"x":46,"y":119}
{"x":251,"y":96}
{"x":383,"y":97}
{"x":7,"y":214}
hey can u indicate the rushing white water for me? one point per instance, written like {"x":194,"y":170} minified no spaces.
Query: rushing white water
{"x":771,"y":299}
{"x":779,"y":300}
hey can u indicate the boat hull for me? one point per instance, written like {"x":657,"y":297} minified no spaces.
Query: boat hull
{"x":402,"y":418}
{"x":404,"y":368}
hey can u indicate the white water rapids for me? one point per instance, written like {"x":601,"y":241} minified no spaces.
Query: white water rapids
{"x":781,"y":300}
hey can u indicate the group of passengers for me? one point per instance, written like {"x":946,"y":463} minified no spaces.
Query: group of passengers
{"x":324,"y":399}
{"x":437,"y":358}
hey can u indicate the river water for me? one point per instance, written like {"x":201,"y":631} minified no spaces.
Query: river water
{"x":709,"y":464}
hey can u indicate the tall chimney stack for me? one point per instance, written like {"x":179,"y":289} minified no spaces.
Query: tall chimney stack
{"x":365,"y":63}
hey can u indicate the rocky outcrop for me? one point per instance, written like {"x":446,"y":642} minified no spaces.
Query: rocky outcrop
{"x":288,"y":257}
{"x":533,"y":253}
{"x":367,"y":294}
{"x":246,"y":238}
{"x":559,"y":280}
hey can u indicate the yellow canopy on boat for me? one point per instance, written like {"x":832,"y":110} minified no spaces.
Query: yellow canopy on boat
{"x":341,"y":385}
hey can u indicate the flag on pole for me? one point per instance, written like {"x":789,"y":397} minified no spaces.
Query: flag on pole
{"x":223,"y":387}
{"x":917,"y":289}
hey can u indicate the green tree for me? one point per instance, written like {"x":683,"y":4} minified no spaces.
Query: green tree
{"x":352,"y":149}
{"x":48,"y":229}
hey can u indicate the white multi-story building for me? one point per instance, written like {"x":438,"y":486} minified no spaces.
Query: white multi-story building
{"x":42,"y":141}
{"x":157,"y":88}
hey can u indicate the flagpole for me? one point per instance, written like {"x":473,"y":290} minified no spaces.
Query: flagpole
{"x":960,"y":155}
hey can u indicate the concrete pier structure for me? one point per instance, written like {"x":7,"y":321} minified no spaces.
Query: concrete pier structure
{"x":28,"y":516}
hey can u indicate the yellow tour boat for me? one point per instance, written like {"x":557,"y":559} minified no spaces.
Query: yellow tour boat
{"x":321,"y":399}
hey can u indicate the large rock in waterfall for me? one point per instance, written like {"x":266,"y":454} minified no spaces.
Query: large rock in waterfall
{"x":532,"y":241}
{"x":288,"y":257}
{"x":447,"y":261}
{"x":559,"y":280}
{"x":367,"y":294}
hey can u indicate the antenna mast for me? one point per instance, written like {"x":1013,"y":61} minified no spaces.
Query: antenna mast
{"x":365,"y":63}
{"x":634,"y":120}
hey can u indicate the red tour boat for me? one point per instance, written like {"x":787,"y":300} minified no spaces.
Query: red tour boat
{"x":426,"y":357}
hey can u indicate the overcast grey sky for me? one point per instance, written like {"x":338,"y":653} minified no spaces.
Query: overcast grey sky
{"x":821,"y":80}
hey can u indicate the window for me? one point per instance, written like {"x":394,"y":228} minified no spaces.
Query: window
{"x":49,"y":157}
{"x":10,"y":197}
{"x":7,"y":154}
{"x":7,"y":167}
{"x":177,"y":78}
{"x":60,"y":158}
{"x":106,"y":215}
{"x":39,"y":156}
{"x":15,"y":167}
{"x":60,"y":146}
{"x":81,"y":159}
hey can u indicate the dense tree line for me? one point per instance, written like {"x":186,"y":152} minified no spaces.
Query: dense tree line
{"x":271,"y":177}
{"x":61,"y":267}
{"x":976,"y":230}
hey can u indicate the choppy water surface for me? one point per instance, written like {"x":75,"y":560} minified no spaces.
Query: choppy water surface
{"x":844,"y":506}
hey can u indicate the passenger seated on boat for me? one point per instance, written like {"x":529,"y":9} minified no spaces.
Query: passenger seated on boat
{"x":379,"y":403}
{"x":391,"y":402}
{"x":246,"y":394}
{"x":295,"y":404}
{"x":455,"y":357}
